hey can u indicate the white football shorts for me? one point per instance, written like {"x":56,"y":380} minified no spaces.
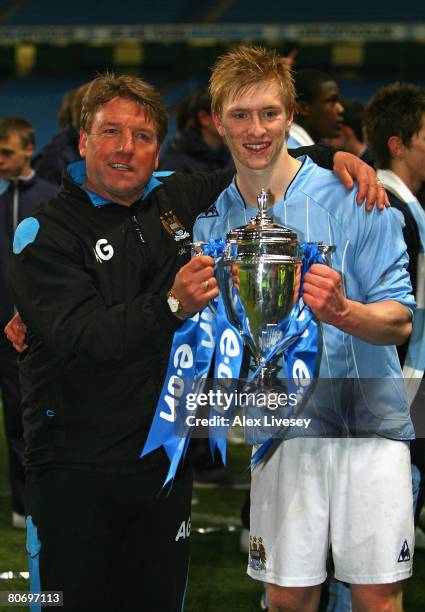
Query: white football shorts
{"x":353,"y":495}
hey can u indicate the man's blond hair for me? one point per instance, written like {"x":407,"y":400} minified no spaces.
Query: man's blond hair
{"x":242,"y":68}
{"x":105,"y":87}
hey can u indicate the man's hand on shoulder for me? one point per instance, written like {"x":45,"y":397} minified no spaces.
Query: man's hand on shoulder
{"x":349,"y":168}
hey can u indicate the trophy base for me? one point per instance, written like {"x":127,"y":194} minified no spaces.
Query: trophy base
{"x":266,"y":383}
{"x":267,"y":377}
{"x":266,"y":405}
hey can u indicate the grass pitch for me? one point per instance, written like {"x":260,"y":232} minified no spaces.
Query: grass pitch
{"x":217,"y":580}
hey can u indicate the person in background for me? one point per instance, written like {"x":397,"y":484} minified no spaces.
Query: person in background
{"x":65,"y":111}
{"x":394,"y":121}
{"x":318,"y":109}
{"x":21,"y":191}
{"x":54,"y":157}
{"x":352,"y":137}
{"x":395,"y":127}
{"x":198,"y":147}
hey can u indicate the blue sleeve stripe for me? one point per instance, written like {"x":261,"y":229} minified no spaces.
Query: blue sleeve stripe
{"x":33,"y":550}
{"x":26,"y":233}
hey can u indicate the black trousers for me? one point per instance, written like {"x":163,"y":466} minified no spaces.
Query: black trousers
{"x":9,"y":384}
{"x":111,"y":542}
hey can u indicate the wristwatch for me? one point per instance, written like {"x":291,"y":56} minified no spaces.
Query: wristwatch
{"x":175,"y":306}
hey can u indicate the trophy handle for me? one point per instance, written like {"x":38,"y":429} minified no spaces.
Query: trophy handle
{"x":325,"y":251}
{"x":212,"y":308}
{"x":197,"y":252}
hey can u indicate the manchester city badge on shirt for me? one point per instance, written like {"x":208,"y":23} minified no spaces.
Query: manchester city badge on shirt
{"x":257,"y":553}
{"x":174,"y":226}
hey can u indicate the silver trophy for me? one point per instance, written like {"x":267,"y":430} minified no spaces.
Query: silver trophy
{"x":259,"y":278}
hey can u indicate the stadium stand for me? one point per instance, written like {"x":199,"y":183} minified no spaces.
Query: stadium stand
{"x":49,"y":12}
{"x":248,"y":11}
{"x":38,"y":100}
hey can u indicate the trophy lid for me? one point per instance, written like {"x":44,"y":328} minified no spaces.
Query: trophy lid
{"x":262,"y":227}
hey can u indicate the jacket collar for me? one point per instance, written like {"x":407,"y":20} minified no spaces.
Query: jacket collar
{"x":77,"y":172}
{"x":297,"y":132}
{"x":393,"y":183}
{"x":22,"y":180}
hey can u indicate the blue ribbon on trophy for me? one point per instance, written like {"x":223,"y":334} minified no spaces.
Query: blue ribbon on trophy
{"x":227,"y":367}
{"x":300,"y":339}
{"x":189,"y":363}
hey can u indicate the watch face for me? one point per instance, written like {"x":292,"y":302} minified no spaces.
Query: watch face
{"x":173,"y":303}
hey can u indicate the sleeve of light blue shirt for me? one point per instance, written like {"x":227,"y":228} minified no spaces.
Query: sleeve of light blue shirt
{"x":381,"y":259}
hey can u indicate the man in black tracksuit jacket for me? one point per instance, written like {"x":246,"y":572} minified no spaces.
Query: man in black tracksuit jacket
{"x":102,"y":277}
{"x":92,"y":288}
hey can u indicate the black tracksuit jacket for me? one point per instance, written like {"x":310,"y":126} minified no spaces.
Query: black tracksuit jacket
{"x":100,"y":328}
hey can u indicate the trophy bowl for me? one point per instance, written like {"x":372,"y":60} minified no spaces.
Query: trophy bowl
{"x":259,"y":277}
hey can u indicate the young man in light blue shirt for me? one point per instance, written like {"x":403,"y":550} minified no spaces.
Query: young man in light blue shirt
{"x":315,"y":492}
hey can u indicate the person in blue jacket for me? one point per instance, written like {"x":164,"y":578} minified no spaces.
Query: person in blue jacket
{"x":21,"y":190}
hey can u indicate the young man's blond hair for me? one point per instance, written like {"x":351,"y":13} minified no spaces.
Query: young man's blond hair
{"x":237,"y":71}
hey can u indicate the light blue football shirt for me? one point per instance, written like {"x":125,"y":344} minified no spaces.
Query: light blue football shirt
{"x":370,"y":254}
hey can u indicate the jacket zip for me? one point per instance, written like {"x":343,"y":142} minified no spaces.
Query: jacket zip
{"x":15,"y":206}
{"x":143,"y":247}
{"x":138,"y":229}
